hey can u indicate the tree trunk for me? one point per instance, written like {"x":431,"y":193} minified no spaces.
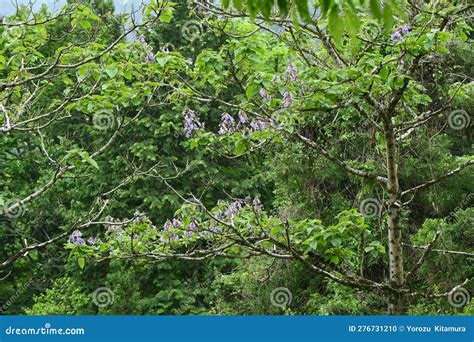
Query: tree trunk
{"x":396,"y":302}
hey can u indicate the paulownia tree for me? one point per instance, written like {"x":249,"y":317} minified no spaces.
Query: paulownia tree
{"x":72,"y":84}
{"x":354,"y":96}
{"x":356,"y":99}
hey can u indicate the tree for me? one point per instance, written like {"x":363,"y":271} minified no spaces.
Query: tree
{"x":300,"y":87}
{"x":355,"y":105}
{"x":102,"y":99}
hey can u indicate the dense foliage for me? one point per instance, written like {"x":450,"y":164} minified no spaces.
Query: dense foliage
{"x":237,"y":157}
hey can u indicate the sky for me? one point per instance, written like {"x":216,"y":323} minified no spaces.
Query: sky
{"x":7,"y":7}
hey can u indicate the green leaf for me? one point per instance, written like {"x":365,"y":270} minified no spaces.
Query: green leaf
{"x":238,"y":4}
{"x":266,"y":8}
{"x":85,"y":24}
{"x":303,"y":10}
{"x":384,"y":73}
{"x":111,"y":71}
{"x":162,"y":60}
{"x":166,"y":15}
{"x":335,"y":26}
{"x":326,"y":6}
{"x":353,"y":23}
{"x":283,"y":6}
{"x":81,"y":262}
{"x":276,"y":230}
{"x":240,"y":147}
{"x":335,"y":259}
{"x":252,"y":8}
{"x":387,"y":17}
{"x":226,"y":3}
{"x":251,"y":90}
{"x":92,"y":162}
{"x":336,"y":242}
{"x":375,"y":9}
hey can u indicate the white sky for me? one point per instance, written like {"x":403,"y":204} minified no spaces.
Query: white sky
{"x":7,"y":7}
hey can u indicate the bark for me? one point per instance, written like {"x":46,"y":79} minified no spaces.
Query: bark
{"x":396,"y":301}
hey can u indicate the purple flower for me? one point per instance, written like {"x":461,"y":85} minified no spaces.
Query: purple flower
{"x":287,"y":99}
{"x":75,"y":234}
{"x":91,"y":241}
{"x":290,"y":73}
{"x":276,"y":78}
{"x":257,"y":204}
{"x":193,"y":226}
{"x":243,"y":117}
{"x":192,"y":229}
{"x":76,"y":238}
{"x":257,"y":125}
{"x":142,"y":40}
{"x":177,"y":223}
{"x":215,"y":230}
{"x":167,"y":225}
{"x":399,"y":32}
{"x":150,"y":57}
{"x":405,"y":29}
{"x":233,"y":209}
{"x":227,"y":125}
{"x":264,"y":95}
{"x":191,"y":123}
{"x":172,"y":237}
{"x":396,"y":36}
{"x":113,"y":228}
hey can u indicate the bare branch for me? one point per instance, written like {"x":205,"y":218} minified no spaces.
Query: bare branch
{"x":440,"y":178}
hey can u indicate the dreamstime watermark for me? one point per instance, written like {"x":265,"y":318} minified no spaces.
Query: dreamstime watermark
{"x":17,"y":294}
{"x":281,"y":297}
{"x":21,"y":290}
{"x":13,"y":209}
{"x":454,"y":214}
{"x":102,"y":297}
{"x":459,"y":296}
{"x":370,"y":207}
{"x":191,"y":30}
{"x":167,"y":48}
{"x":103,"y":121}
{"x":459,"y":119}
{"x":46,"y":330}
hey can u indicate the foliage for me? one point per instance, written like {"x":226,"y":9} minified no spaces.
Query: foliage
{"x":195,"y":173}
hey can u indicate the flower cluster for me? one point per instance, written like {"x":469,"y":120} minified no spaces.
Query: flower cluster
{"x":228,"y":124}
{"x":287,"y":99}
{"x":167,"y":227}
{"x":192,"y":229}
{"x":263,"y":93}
{"x":114,"y":226}
{"x":400,"y":32}
{"x":291,"y":73}
{"x":243,"y":117}
{"x":150,"y":57}
{"x":191,"y":122}
{"x":76,"y":238}
{"x":233,"y":208}
{"x":257,"y":125}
